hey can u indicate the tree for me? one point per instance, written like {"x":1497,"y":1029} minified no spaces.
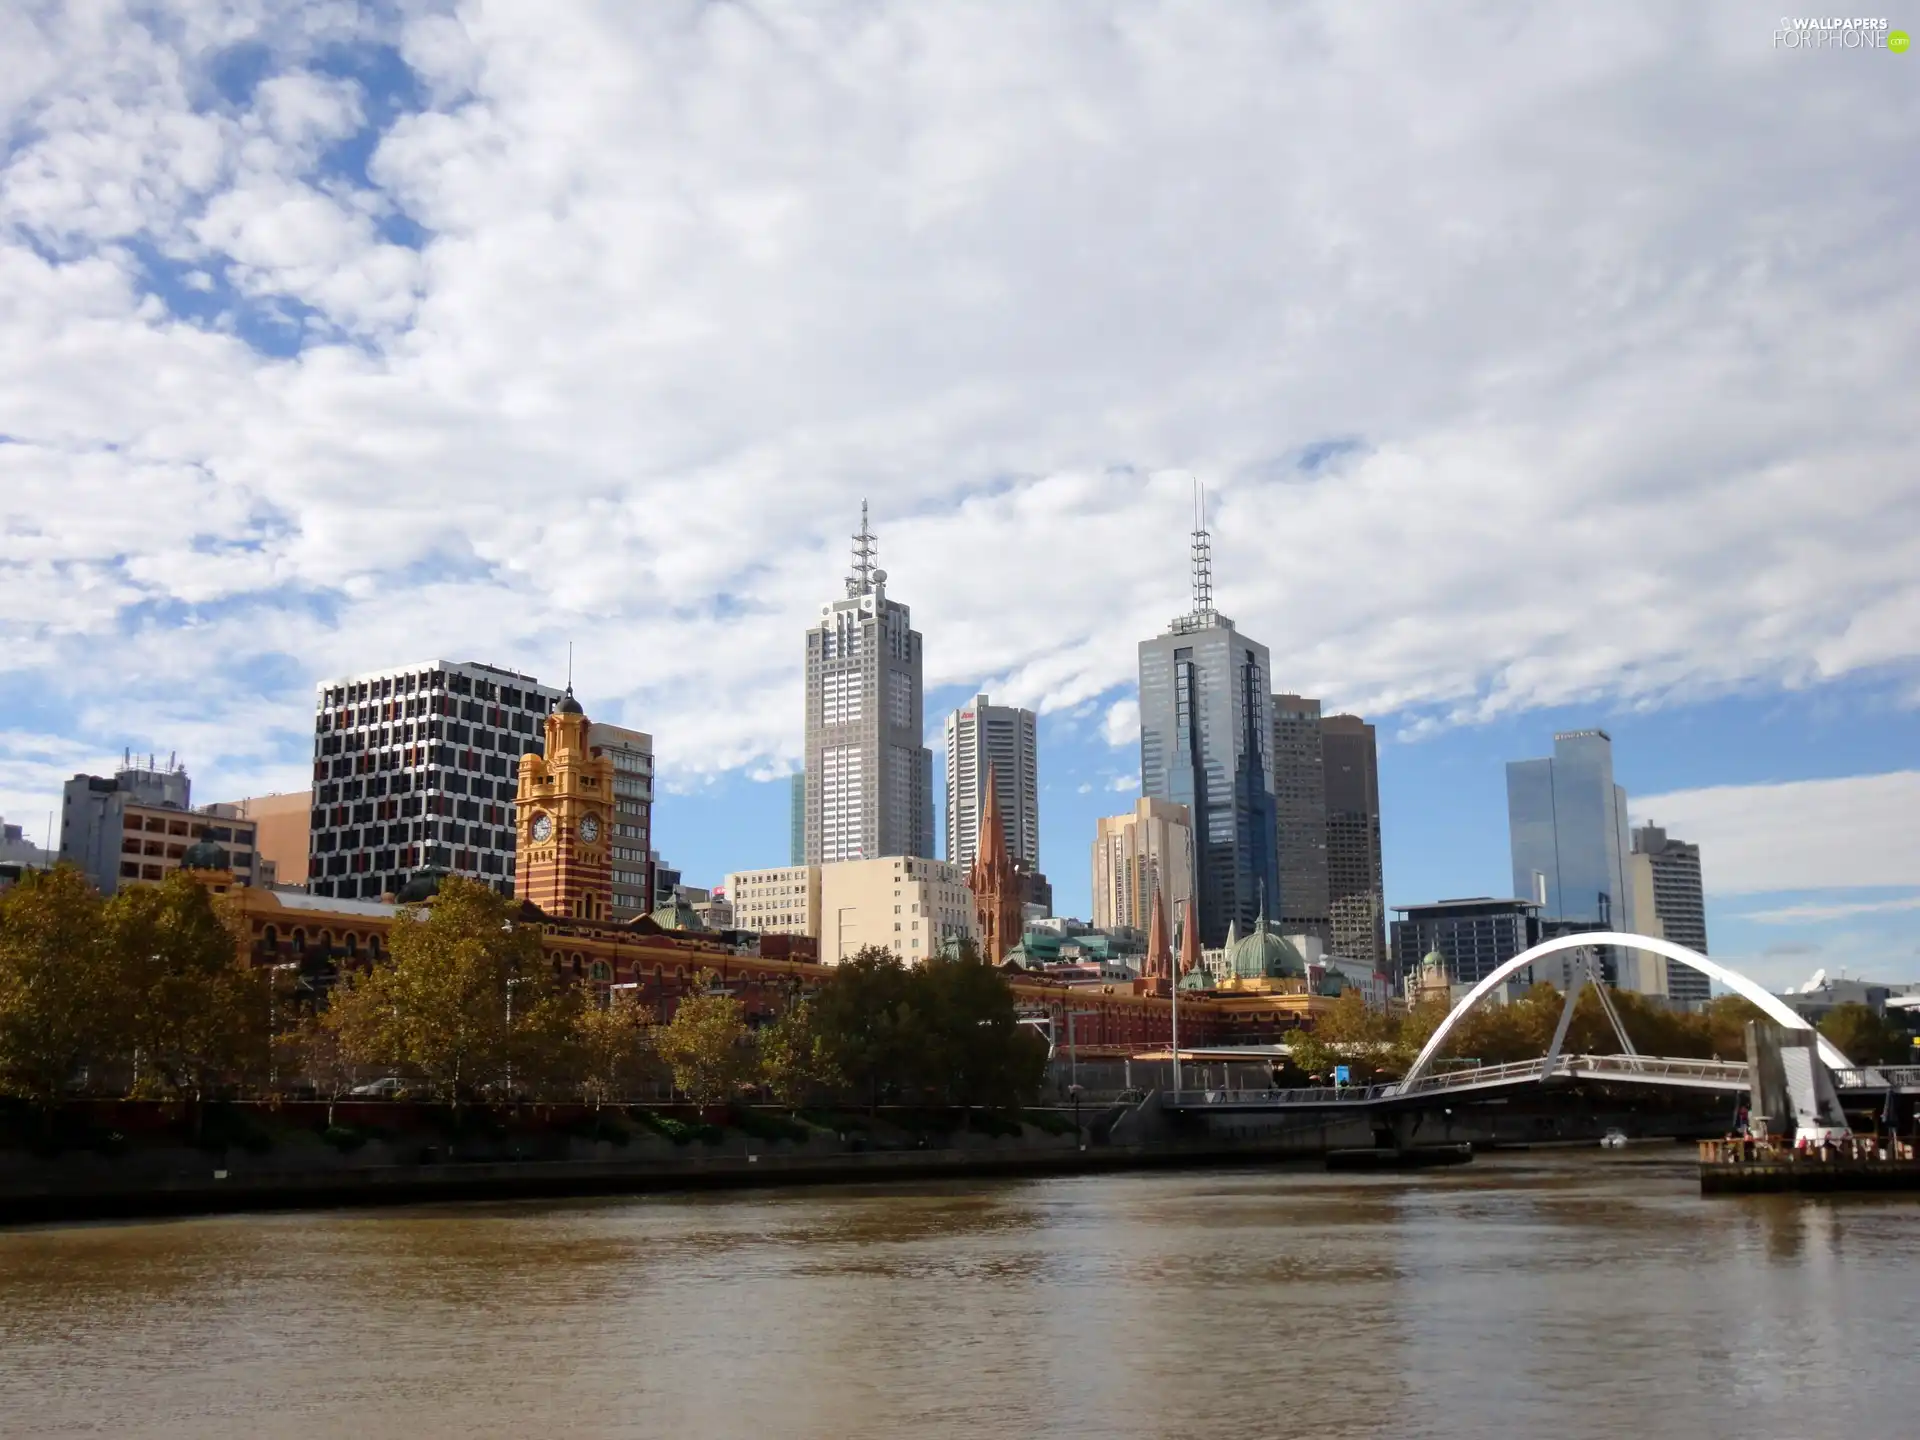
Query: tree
{"x":1311,"y":1054}
{"x":195,"y":1014}
{"x":973,"y":1050}
{"x":57,"y":1001}
{"x":793,"y":1058}
{"x":702,"y":1044}
{"x":866,"y":1023}
{"x":614,"y":1047}
{"x":1866,"y":1038}
{"x":463,"y":999}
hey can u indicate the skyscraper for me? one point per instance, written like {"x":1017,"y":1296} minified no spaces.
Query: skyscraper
{"x":1567,"y":824}
{"x":632,"y":754}
{"x":1300,"y":809}
{"x":1356,"y":886}
{"x":1206,"y":737}
{"x":416,"y":767}
{"x":1137,"y":856}
{"x":1669,"y":901}
{"x":985,"y":739}
{"x":869,"y":777}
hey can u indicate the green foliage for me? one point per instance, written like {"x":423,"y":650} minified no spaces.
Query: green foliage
{"x":945,"y":1031}
{"x":765,"y":1126}
{"x":464,"y":998}
{"x":1866,"y":1038}
{"x":344,"y":1138}
{"x":613,"y":1045}
{"x":703,"y":1045}
{"x":57,"y":986}
{"x":680,"y":1132}
{"x":794,"y":1062}
{"x":1051,"y":1121}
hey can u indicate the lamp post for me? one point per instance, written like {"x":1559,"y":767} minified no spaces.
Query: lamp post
{"x":1079,"y":1136}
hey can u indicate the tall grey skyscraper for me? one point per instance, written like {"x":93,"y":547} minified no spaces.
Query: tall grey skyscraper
{"x":1567,"y":824}
{"x":982,"y":737}
{"x":1356,"y":889}
{"x":1300,"y":808}
{"x":869,"y":777}
{"x":1669,"y":901}
{"x":1206,"y":740}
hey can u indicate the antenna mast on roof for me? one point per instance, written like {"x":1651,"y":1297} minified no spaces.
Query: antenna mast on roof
{"x":1202,"y":554}
{"x":860,"y":582}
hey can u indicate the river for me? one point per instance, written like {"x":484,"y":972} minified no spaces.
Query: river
{"x":1569,"y":1294}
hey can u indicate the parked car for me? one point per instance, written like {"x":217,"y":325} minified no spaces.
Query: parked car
{"x":390,"y":1087}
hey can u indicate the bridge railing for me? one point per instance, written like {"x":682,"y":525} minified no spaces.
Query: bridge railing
{"x":1307,"y":1095}
{"x":1878,"y":1077}
{"x":1659,"y":1067}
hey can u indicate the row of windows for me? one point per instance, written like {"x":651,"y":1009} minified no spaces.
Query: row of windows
{"x":425,"y":681}
{"x":373,"y":835}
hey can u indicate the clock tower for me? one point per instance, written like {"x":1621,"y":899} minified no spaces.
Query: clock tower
{"x":564,"y":814}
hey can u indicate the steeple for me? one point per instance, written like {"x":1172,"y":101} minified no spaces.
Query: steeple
{"x":1190,"y":941}
{"x":998,"y":912}
{"x":1158,"y":969}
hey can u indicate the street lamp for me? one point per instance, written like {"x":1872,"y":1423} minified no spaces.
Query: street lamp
{"x":1079,"y":1136}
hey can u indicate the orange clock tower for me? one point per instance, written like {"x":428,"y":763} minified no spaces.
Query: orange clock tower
{"x":564,"y":814}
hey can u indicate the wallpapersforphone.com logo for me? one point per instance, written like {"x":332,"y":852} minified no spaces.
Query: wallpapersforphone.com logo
{"x":1831,"y":33}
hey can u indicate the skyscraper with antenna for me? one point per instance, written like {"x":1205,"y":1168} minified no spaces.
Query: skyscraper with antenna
{"x":869,"y":777}
{"x":1206,"y":737}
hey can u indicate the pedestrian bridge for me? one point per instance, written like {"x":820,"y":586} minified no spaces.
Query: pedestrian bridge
{"x":1427,"y":1078}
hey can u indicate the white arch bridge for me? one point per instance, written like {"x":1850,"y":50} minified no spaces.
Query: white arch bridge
{"x":1424,"y":1080}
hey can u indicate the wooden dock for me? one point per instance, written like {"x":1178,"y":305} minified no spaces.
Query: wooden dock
{"x":1857,"y":1164}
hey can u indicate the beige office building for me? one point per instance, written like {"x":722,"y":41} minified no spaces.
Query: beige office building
{"x":280,"y":825}
{"x":911,"y":906}
{"x":1135,"y":855}
{"x":783,"y":901}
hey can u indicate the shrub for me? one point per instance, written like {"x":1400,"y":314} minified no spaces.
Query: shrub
{"x":680,"y":1132}
{"x":1050,"y":1121}
{"x":344,"y":1138}
{"x":763,"y":1125}
{"x":986,"y":1122}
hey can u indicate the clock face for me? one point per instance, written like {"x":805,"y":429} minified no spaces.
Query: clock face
{"x":589,"y":828}
{"x":543,"y":828}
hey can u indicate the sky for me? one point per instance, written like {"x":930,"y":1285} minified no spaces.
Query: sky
{"x":1545,"y":369}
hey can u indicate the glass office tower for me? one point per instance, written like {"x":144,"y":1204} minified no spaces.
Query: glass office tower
{"x":1567,"y":826}
{"x":1206,"y":738}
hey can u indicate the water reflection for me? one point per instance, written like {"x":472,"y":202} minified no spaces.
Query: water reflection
{"x":1574,"y":1294}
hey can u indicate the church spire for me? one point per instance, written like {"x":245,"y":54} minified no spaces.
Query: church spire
{"x":1190,"y":940}
{"x":1159,"y":966}
{"x":998,"y":908}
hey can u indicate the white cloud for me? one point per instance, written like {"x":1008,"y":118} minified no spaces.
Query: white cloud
{"x":1814,"y":910}
{"x":1124,"y":782}
{"x":1621,"y":344}
{"x":1801,"y":835}
{"x":1122,"y":723}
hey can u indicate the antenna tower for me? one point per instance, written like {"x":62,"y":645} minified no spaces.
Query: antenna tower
{"x":861,"y":581}
{"x":1202,"y":554}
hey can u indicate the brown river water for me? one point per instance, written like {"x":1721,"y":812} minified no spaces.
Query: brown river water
{"x":1564,"y":1294}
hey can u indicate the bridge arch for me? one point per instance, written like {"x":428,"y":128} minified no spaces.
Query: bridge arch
{"x":1767,"y":1002}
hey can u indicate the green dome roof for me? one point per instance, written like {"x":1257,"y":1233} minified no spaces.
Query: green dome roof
{"x":205,"y":855}
{"x":1435,"y":958}
{"x":677,"y":916}
{"x":424,"y":885}
{"x":1264,"y":955}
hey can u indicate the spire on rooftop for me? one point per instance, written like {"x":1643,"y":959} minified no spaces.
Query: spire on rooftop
{"x":860,"y":581}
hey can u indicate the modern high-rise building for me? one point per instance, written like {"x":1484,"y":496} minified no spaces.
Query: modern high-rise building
{"x":135,"y":826}
{"x":1669,"y":902}
{"x":416,"y":767}
{"x":1476,"y":935}
{"x":1206,"y":740}
{"x":985,"y":739}
{"x":797,"y":819}
{"x":869,"y":777}
{"x":1300,"y":810}
{"x":1567,"y":824}
{"x":1136,"y":856}
{"x":632,"y":754}
{"x":1356,"y":885}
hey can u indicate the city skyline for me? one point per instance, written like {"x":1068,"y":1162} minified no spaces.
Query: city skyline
{"x":312,"y":397}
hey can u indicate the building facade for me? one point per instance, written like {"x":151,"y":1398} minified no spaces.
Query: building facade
{"x":133,"y":827}
{"x":415,"y":768}
{"x":797,"y":818}
{"x":632,"y":754}
{"x":1206,"y":741}
{"x":1475,"y":936}
{"x":1670,"y":902}
{"x":564,"y":807}
{"x":1300,"y":815}
{"x":908,"y":904}
{"x":1136,"y":856}
{"x":999,"y":740}
{"x":1567,"y":825}
{"x":281,"y":831}
{"x":869,"y":778}
{"x":1356,"y":881}
{"x":780,"y":901}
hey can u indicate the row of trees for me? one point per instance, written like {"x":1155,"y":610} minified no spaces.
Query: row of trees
{"x":144,"y":994}
{"x":1371,"y":1043}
